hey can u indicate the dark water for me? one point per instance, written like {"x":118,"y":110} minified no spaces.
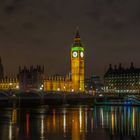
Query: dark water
{"x":71,"y":123}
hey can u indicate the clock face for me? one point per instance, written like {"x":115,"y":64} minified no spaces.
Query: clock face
{"x":75,"y":54}
{"x":81,"y":54}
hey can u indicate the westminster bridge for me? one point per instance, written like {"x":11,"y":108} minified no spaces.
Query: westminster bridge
{"x":30,"y":98}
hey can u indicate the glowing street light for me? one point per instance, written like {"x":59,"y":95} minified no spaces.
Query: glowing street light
{"x":10,"y":84}
{"x":17,"y":87}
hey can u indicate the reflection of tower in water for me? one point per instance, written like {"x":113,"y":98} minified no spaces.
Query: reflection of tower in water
{"x":79,"y":122}
{"x":14,"y":116}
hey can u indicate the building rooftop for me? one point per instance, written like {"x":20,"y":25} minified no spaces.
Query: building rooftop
{"x":121,"y":70}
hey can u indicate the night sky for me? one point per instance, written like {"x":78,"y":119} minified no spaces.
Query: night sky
{"x":42,"y":31}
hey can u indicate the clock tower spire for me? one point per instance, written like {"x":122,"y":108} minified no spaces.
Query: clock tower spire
{"x":77,"y":64}
{"x":77,"y":39}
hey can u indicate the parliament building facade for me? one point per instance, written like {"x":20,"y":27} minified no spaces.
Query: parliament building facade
{"x":33,"y":77}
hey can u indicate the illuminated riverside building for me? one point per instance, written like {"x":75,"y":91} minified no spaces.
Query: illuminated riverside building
{"x":75,"y":83}
{"x":33,"y":78}
{"x":121,"y":80}
{"x":9,"y":84}
{"x":58,"y":83}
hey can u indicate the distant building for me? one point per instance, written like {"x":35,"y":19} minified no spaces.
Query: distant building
{"x":31,"y":78}
{"x":122,"y":80}
{"x":93,"y":83}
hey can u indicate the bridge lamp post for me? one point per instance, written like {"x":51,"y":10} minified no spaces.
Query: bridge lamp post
{"x":41,"y":87}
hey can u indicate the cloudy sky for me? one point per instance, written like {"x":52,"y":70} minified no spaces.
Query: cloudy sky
{"x":41,"y":32}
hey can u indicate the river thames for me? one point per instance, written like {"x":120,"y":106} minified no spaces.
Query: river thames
{"x":70,"y":123}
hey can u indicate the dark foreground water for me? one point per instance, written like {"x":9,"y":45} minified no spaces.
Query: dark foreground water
{"x":71,"y":123}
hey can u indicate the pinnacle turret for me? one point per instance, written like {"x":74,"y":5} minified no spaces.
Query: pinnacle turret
{"x":77,"y":39}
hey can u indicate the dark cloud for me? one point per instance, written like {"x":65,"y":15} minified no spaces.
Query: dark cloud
{"x":41,"y":31}
{"x":114,"y":12}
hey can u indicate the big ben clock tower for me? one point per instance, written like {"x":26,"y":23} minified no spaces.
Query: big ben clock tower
{"x":77,"y":64}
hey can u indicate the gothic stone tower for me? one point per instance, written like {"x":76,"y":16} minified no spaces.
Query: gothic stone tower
{"x":77,"y":64}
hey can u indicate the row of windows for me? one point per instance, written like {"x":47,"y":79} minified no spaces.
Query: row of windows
{"x":131,"y":77}
{"x":124,"y":74}
{"x":125,"y":79}
{"x":130,"y":84}
{"x":120,"y":81}
{"x":8,"y":87}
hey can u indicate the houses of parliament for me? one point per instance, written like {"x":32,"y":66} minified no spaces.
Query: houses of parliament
{"x":33,"y":77}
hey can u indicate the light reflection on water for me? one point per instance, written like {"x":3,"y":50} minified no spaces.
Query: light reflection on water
{"x":74,"y":123}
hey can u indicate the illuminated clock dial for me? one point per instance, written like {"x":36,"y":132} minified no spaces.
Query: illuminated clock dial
{"x":75,"y":54}
{"x":81,"y":54}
